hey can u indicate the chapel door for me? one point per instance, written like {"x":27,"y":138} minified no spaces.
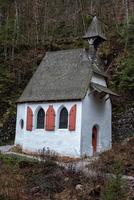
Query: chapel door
{"x":94,"y":139}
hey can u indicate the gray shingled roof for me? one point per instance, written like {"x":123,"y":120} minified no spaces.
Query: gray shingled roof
{"x":95,"y":29}
{"x":62,"y":75}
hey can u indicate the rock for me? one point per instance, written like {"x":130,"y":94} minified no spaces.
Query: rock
{"x":35,"y":189}
{"x":66,"y":179}
{"x":123,"y":124}
{"x":126,"y":141}
{"x":79,"y":187}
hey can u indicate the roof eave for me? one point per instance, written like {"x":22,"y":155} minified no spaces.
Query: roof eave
{"x":47,"y":101}
{"x":100,"y":88}
{"x":101,"y":74}
{"x":93,"y":36}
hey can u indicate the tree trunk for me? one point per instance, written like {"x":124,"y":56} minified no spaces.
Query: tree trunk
{"x":126,"y":12}
{"x":6,"y":36}
{"x":36,"y":18}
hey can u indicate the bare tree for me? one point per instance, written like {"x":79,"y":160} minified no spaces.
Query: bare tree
{"x":15,"y":31}
{"x":6,"y":36}
{"x":36,"y":18}
{"x":126,"y":11}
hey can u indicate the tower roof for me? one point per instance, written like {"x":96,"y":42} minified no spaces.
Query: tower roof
{"x":95,"y":30}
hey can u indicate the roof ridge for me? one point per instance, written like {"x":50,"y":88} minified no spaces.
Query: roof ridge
{"x":63,"y":50}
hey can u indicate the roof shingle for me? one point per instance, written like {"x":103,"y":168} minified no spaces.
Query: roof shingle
{"x":62,"y":75}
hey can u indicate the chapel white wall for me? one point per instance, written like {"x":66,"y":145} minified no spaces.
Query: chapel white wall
{"x":21,"y":114}
{"x":95,"y":112}
{"x":62,"y":141}
{"x":96,"y":78}
{"x":90,"y":112}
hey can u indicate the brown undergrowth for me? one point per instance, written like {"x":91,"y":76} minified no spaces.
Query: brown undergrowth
{"x":44,"y":154}
{"x":26,"y":179}
{"x":29,"y":179}
{"x":123,"y":153}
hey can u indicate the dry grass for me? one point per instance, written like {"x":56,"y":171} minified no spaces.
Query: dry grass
{"x":124,"y":153}
{"x":45,"y":154}
{"x":31,"y":180}
{"x":11,"y":180}
{"x":17,"y":149}
{"x":25,"y":179}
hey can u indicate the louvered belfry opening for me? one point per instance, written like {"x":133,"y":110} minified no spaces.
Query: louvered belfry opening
{"x":63,"y":120}
{"x":40,"y":119}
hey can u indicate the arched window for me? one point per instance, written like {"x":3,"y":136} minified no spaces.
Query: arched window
{"x":40,"y":119}
{"x":63,"y":119}
{"x":21,"y":123}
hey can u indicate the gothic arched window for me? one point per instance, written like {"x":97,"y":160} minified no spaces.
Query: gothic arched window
{"x":40,"y":119}
{"x":63,"y":119}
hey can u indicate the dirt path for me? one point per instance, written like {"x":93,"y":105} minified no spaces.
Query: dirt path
{"x":77,"y":166}
{"x":4,"y":149}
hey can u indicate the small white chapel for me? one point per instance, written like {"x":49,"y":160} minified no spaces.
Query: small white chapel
{"x":66,"y":105}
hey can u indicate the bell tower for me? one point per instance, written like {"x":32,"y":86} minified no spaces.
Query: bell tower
{"x":95,"y":36}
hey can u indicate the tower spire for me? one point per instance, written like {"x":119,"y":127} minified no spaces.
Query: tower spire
{"x":95,"y":33}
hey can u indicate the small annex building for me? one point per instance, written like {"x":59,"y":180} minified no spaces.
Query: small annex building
{"x":66,"y":106}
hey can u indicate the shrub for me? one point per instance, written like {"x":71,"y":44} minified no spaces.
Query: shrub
{"x":47,"y":154}
{"x":126,"y":74}
{"x":17,"y":148}
{"x":116,"y":187}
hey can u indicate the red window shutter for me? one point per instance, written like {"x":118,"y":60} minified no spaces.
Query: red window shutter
{"x":72,"y":118}
{"x":29,"y":119}
{"x":50,"y":119}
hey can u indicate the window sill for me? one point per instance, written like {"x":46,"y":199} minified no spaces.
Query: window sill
{"x":62,"y":129}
